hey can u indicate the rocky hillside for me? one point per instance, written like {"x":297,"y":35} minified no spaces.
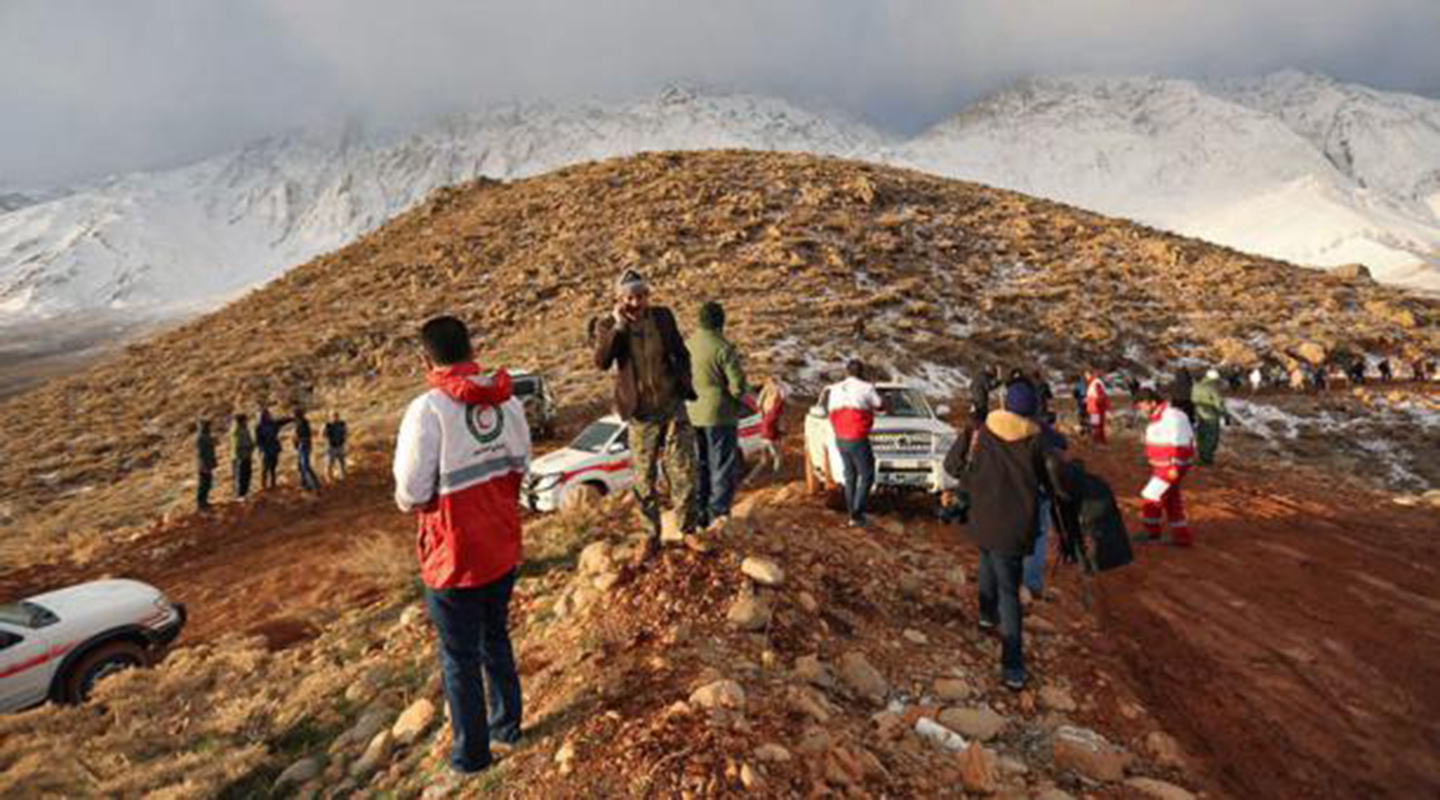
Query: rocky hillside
{"x":818,"y":260}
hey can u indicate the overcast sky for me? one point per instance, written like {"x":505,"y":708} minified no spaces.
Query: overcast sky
{"x":89,"y":88}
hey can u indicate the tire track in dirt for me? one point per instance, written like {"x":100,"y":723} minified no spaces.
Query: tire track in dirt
{"x":1296,"y":649}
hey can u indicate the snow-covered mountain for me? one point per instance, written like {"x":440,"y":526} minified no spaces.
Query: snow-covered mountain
{"x":1290,"y":165}
{"x":1293,"y":166}
{"x":188,"y":237}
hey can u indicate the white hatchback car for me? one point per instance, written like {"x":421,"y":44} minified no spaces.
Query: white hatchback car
{"x":57,"y":645}
{"x":909,"y":439}
{"x":597,"y":463}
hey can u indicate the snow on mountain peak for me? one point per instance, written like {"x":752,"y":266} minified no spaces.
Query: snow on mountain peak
{"x":1289,"y":165}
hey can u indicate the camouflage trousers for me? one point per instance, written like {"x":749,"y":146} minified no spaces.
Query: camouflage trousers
{"x":670,"y":439}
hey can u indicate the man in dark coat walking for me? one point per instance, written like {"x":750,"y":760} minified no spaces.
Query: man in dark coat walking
{"x":267,"y":440}
{"x":1004,"y":468}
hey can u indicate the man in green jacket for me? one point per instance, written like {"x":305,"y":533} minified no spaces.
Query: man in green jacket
{"x":1210,"y":412}
{"x":719,"y":382}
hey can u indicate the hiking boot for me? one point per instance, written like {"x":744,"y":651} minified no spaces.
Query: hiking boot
{"x":987,"y":625}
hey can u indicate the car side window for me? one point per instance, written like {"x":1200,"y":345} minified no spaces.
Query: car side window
{"x":621,"y":442}
{"x":8,"y":639}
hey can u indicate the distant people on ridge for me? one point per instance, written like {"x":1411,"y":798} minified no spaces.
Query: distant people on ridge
{"x":304,"y":445}
{"x":205,"y":464}
{"x":336,"y":432}
{"x":242,"y":454}
{"x":267,"y":440}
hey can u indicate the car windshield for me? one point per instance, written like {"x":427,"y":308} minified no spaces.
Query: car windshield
{"x":594,"y":437}
{"x":24,"y":614}
{"x":525,"y":387}
{"x":905,"y":403}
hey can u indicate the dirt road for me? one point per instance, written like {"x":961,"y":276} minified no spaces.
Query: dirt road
{"x":1296,"y":649}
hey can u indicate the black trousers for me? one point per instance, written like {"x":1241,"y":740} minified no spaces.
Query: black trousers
{"x":242,"y":469}
{"x":202,"y":489}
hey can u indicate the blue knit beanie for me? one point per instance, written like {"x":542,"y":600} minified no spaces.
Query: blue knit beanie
{"x":1020,"y":399}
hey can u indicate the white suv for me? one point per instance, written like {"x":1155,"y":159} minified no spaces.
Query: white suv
{"x":910,"y":442}
{"x":597,"y":463}
{"x":57,"y":645}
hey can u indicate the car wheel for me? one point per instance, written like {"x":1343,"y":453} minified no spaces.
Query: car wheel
{"x":100,"y":663}
{"x":586,"y":495}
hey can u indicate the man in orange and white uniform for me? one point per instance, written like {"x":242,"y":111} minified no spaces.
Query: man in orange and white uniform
{"x":1170,"y":449}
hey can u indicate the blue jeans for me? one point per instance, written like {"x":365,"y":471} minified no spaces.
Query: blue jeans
{"x":473,"y":625}
{"x":859,"y":461}
{"x":308,"y":481}
{"x":999,"y":586}
{"x":1034,"y":568}
{"x":719,"y":469}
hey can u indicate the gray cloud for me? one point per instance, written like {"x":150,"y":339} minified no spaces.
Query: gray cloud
{"x":92,"y":87}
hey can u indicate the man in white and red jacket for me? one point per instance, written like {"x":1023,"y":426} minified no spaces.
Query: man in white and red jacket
{"x":463,"y":449}
{"x":1170,"y":449}
{"x":852,"y":404}
{"x":1097,"y":405}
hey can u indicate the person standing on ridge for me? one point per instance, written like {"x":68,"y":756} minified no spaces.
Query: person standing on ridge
{"x":1082,"y":416}
{"x":1169,"y":448}
{"x":460,"y":457}
{"x":1386,"y":374}
{"x":1209,"y":400}
{"x":1097,"y":405}
{"x":852,"y":404}
{"x":205,"y":464}
{"x":304,"y":445}
{"x":335,"y":432}
{"x":1257,"y":380}
{"x":719,"y":381}
{"x":267,"y":439}
{"x":652,"y":385}
{"x":1004,"y":468}
{"x":242,"y":454}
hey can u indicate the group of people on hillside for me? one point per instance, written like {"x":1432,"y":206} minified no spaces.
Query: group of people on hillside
{"x":464,"y":447}
{"x":266,"y":439}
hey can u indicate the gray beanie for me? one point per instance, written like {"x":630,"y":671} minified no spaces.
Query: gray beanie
{"x":631,"y":282}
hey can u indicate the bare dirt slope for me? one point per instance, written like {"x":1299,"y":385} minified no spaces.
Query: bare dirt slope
{"x":1292,"y":653}
{"x":818,"y":260}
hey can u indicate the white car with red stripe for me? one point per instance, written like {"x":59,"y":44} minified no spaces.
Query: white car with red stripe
{"x":597,"y":463}
{"x":58,"y":645}
{"x":909,"y":441}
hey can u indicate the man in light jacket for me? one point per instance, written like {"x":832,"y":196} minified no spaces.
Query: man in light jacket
{"x":852,"y":404}
{"x":463,"y":449}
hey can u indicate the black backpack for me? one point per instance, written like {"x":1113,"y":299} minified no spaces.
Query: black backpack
{"x":1091,"y":525}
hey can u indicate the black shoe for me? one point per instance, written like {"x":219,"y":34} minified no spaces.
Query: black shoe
{"x":1014,"y":681}
{"x":987,"y":625}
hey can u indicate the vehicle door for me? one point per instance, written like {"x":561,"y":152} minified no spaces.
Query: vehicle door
{"x":617,"y":452}
{"x":25,"y":667}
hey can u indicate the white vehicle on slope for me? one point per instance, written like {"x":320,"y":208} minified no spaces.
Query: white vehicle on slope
{"x":910,"y":442}
{"x":58,"y":645}
{"x":597,"y":463}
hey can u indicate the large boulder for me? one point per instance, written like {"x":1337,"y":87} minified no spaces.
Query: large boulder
{"x":1089,"y":754}
{"x":1353,"y":272}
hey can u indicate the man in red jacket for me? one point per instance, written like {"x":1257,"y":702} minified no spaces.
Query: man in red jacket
{"x":463,"y":449}
{"x":1097,"y":405}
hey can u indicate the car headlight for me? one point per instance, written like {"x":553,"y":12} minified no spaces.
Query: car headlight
{"x":544,"y":483}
